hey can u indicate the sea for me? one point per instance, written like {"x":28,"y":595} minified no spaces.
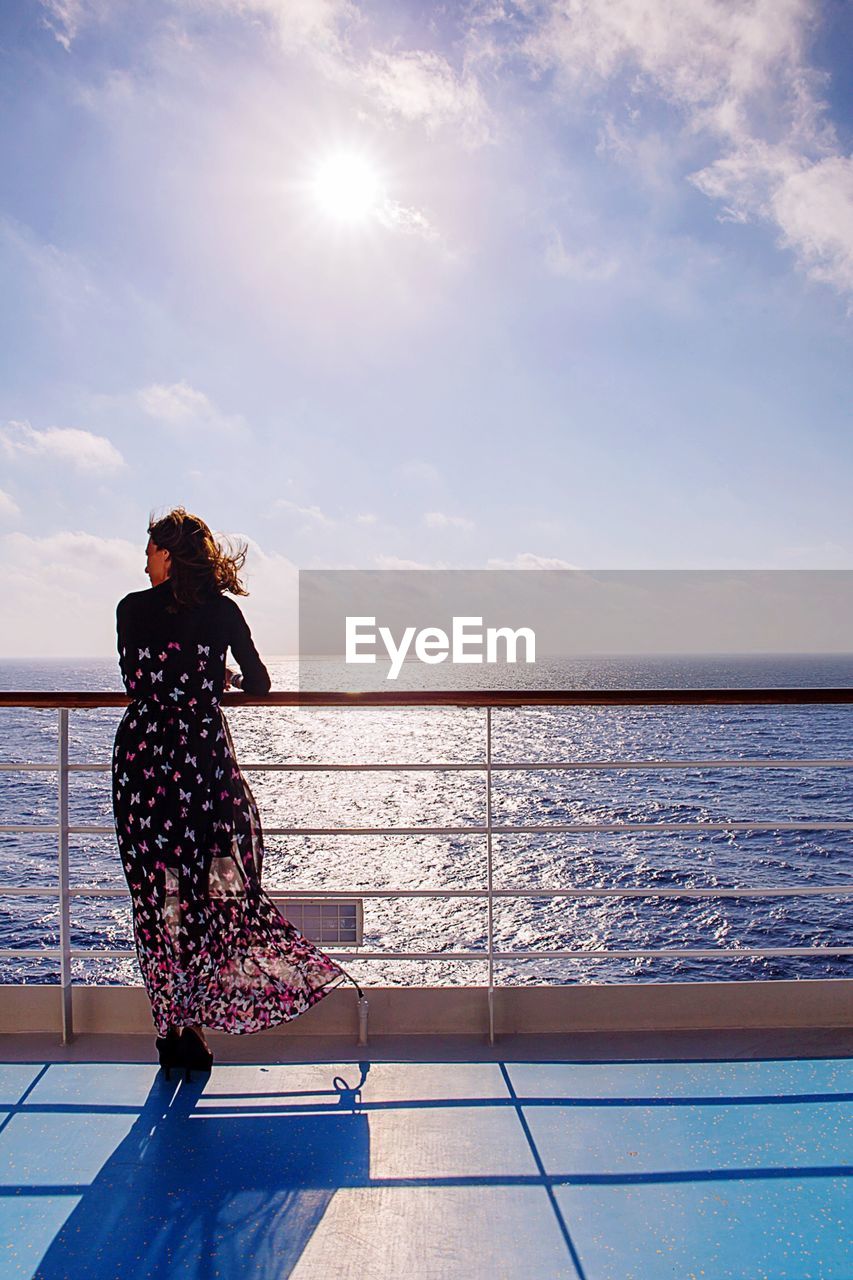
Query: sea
{"x":749,"y":860}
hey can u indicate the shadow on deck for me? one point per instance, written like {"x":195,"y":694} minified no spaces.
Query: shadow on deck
{"x":407,"y":1164}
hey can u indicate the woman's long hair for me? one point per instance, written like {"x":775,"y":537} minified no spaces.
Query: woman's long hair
{"x":199,"y":564}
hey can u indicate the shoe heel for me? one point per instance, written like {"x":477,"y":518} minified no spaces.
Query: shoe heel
{"x":169,"y":1053}
{"x":194,"y":1055}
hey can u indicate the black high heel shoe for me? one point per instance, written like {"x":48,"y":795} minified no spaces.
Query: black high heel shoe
{"x":194,"y":1055}
{"x":169,"y":1050}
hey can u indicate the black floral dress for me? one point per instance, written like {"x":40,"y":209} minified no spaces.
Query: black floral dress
{"x":212,"y":947}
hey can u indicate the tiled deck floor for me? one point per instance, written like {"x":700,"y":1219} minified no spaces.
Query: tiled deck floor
{"x":415,"y":1169}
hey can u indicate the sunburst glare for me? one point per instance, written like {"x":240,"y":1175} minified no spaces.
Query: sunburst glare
{"x":347,"y":187}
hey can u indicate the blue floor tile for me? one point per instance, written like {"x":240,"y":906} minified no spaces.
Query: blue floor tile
{"x":709,"y":1138}
{"x":615,"y":1080}
{"x":53,"y":1149}
{"x":15,"y":1079}
{"x":28,"y":1227}
{"x":427,"y":1171}
{"x":786,"y":1229}
{"x":125,"y":1084}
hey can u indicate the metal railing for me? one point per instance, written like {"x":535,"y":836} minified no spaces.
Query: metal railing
{"x":488,"y":701}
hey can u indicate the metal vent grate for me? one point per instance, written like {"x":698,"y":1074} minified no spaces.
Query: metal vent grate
{"x":328,"y":923}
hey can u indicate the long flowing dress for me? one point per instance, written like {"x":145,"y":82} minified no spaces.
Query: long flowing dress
{"x":212,"y":947}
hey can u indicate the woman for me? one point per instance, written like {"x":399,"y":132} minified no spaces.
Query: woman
{"x":212,"y":948}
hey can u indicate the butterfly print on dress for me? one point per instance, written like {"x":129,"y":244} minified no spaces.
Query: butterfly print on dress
{"x":212,"y":947}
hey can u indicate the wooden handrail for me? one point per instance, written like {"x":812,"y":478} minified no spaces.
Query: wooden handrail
{"x":468,"y":698}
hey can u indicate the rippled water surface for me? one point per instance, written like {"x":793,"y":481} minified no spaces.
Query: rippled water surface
{"x":647,"y":859}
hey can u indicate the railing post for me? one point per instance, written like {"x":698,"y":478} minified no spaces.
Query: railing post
{"x":489,"y":882}
{"x":64,"y":895}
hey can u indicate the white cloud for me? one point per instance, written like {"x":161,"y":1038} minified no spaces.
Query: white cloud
{"x":74,"y":556}
{"x":397,"y":217}
{"x":439,"y":520}
{"x":82,"y":450}
{"x":529,"y":560}
{"x":415,"y":86}
{"x":705,"y":53}
{"x":174,"y":404}
{"x":60,"y":591}
{"x":313,"y":26}
{"x":813,"y":207}
{"x":271,"y":608}
{"x":740,"y":76}
{"x":312,"y":514}
{"x":810,"y":203}
{"x":579,"y":264}
{"x":9,"y":508}
{"x":78,"y":578}
{"x":63,"y":17}
{"x":367,"y":517}
{"x":178,"y":404}
{"x":317,"y":26}
{"x":66,"y":18}
{"x":399,"y":562}
{"x":420,"y":86}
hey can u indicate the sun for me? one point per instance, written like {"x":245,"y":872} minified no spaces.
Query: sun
{"x":347,"y":187}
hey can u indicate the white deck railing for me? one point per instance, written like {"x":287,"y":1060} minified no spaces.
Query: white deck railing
{"x":63,"y":828}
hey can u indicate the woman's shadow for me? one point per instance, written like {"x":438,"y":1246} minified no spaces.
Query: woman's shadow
{"x":194,"y":1192}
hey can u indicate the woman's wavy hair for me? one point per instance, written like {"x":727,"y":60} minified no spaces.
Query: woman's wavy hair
{"x":200,"y":564}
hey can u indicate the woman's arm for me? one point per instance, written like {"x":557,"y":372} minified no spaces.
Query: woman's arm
{"x":121,"y":639}
{"x":256,"y":678}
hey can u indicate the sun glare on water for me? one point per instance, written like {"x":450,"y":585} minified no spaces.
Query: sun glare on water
{"x":347,"y":187}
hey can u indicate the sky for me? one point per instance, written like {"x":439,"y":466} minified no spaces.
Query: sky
{"x":390,"y":285}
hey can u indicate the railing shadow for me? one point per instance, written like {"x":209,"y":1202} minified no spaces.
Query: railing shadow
{"x":505,"y":1167}
{"x":199,"y":1196}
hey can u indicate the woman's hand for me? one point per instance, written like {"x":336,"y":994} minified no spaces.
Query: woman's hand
{"x":229,"y":676}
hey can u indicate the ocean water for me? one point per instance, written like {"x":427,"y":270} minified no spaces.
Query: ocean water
{"x":625,"y":860}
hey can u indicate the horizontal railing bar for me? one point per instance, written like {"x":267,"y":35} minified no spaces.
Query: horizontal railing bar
{"x":762,"y":892}
{"x":464,"y":698}
{"x":539,"y":766}
{"x":47,"y":953}
{"x":649,"y":954}
{"x":520,"y":766}
{"x":473,"y":829}
{"x":692,"y":953}
{"x":535,"y":766}
{"x":27,"y":766}
{"x":23,"y":829}
{"x":334,"y":894}
{"x":765,"y":825}
{"x":580,"y":827}
{"x":776,"y":762}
